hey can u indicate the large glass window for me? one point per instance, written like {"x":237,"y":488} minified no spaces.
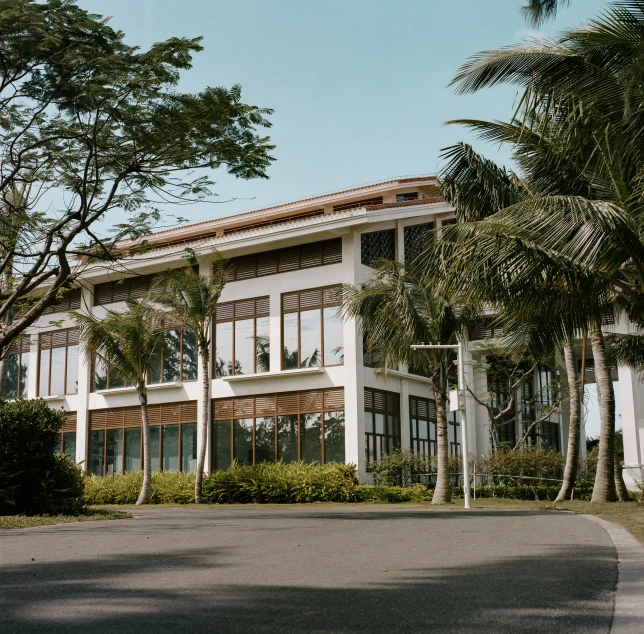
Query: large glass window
{"x":422,"y":425}
{"x":290,"y":426}
{"x":242,"y":343}
{"x":454,"y":433}
{"x":58,"y":362}
{"x":382,"y":422}
{"x":312,"y":328}
{"x":66,"y":443}
{"x":118,"y":449}
{"x":17,"y":369}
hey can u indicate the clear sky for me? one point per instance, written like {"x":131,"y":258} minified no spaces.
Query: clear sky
{"x":359,"y":87}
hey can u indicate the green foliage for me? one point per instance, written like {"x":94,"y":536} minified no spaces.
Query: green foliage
{"x":32,"y":478}
{"x":168,"y":487}
{"x":400,"y":468}
{"x":393,"y":494}
{"x":281,"y":483}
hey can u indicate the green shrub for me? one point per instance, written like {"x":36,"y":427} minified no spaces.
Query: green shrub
{"x":33,"y":480}
{"x":168,"y":487}
{"x":392,"y":494}
{"x":281,"y":483}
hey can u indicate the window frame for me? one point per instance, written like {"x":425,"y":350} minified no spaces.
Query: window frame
{"x":368,"y":235}
{"x":423,"y":229}
{"x":158,"y":417}
{"x":414,"y":436}
{"x":68,"y":427}
{"x":391,"y":408}
{"x":274,"y":405}
{"x":71,"y":339}
{"x":332,"y":291}
{"x":19,"y":347}
{"x":261,"y":309}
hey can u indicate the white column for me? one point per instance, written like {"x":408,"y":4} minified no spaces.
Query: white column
{"x":84,"y":388}
{"x":471,"y":405}
{"x":32,"y":373}
{"x":477,"y":414}
{"x":631,"y":392}
{"x":354,"y":444}
{"x":405,"y":436}
{"x":275,"y":332}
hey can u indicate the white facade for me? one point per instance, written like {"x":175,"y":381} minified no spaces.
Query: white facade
{"x":404,"y":203}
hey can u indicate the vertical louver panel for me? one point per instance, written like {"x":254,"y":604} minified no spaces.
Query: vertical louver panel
{"x":245,"y":267}
{"x":265,"y":405}
{"x":334,"y":399}
{"x":311,"y":401}
{"x":311,"y":255}
{"x":243,"y":407}
{"x":332,"y":251}
{"x":189,"y":412}
{"x":223,"y":409}
{"x":311,"y":298}
{"x":267,"y":263}
{"x":263,"y":306}
{"x":288,"y":260}
{"x":290,"y":302}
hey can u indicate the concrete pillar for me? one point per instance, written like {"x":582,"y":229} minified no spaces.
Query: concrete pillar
{"x":405,"y":435}
{"x":275,"y":332}
{"x":32,"y":373}
{"x":471,"y":405}
{"x":631,"y":391}
{"x":205,"y":268}
{"x":354,"y":443}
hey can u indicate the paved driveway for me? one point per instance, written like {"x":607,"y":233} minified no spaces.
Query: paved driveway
{"x":311,"y":569}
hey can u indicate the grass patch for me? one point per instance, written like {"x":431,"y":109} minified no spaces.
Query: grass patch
{"x":28,"y":521}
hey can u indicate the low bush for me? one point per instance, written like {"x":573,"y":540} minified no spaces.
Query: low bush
{"x":392,"y":494}
{"x":281,"y":483}
{"x":33,"y":479}
{"x":168,"y":487}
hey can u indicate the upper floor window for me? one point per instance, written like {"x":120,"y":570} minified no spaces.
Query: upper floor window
{"x":355,"y":204}
{"x":17,"y":369}
{"x":416,"y":240}
{"x":121,"y":290}
{"x":70,"y":300}
{"x":304,"y":256}
{"x":381,"y":423}
{"x":176,"y":361}
{"x":58,"y":361}
{"x":242,"y":340}
{"x":312,"y":328}
{"x":377,"y":245}
{"x":401,"y":198}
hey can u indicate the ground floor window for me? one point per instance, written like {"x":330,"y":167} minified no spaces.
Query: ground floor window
{"x":66,"y":441}
{"x":115,"y":439}
{"x":17,"y":368}
{"x":422,"y":425}
{"x":288,"y":426}
{"x":544,"y":435}
{"x":381,"y":423}
{"x":454,"y":433}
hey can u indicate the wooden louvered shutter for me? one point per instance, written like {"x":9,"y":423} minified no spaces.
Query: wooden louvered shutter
{"x":290,"y":302}
{"x":267,"y":263}
{"x":222,"y":409}
{"x":334,"y":399}
{"x":245,"y":267}
{"x":288,"y":260}
{"x":311,"y":401}
{"x":287,"y":403}
{"x":103,"y":294}
{"x":311,"y":255}
{"x":262,"y":306}
{"x":332,"y":251}
{"x":189,"y":412}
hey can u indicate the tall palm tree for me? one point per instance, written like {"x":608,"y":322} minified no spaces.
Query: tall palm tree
{"x":190,"y":300}
{"x":126,"y":343}
{"x":578,"y":136}
{"x":400,"y":306}
{"x":478,"y":189}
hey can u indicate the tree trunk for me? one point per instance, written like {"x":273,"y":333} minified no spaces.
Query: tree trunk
{"x":443,"y":490}
{"x":572,"y":457}
{"x":201,"y":458}
{"x":620,"y":486}
{"x":604,"y":489}
{"x":146,"y":488}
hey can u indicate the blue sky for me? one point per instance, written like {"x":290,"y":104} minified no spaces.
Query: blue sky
{"x":359,"y":87}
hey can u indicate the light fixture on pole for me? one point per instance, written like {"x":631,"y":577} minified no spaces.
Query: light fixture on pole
{"x":460,"y":350}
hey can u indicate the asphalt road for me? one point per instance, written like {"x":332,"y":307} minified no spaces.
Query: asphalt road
{"x":310,"y":569}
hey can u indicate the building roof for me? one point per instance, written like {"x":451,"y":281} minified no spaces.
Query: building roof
{"x":306,"y":207}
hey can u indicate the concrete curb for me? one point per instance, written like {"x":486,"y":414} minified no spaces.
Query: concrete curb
{"x":628,"y":616}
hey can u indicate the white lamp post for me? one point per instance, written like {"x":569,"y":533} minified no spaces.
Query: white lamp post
{"x":460,"y":349}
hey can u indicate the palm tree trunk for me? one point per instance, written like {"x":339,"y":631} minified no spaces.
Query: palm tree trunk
{"x":146,"y":488}
{"x":443,"y":490}
{"x":201,"y":458}
{"x":572,"y":457}
{"x":620,"y":486}
{"x":604,"y":489}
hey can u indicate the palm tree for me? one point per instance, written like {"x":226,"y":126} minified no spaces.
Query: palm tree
{"x":401,"y":306}
{"x":578,"y":138}
{"x":190,"y":300}
{"x":126,"y":343}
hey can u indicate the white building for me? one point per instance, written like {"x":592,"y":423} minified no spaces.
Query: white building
{"x":298,"y":387}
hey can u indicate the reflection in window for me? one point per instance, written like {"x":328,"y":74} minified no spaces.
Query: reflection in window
{"x":177,"y":359}
{"x":312,"y":328}
{"x":133,"y":449}
{"x":454,"y":433}
{"x":422,"y":425}
{"x":382,"y":423}
{"x":58,"y":362}
{"x":242,"y":343}
{"x":170,"y":448}
{"x":311,"y":436}
{"x":189,"y":447}
{"x":66,"y":444}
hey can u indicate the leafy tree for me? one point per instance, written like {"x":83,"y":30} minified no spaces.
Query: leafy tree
{"x":126,"y":343}
{"x":189,"y":299}
{"x":537,"y":12}
{"x":399,"y":306}
{"x":92,"y":124}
